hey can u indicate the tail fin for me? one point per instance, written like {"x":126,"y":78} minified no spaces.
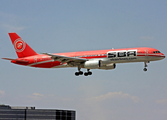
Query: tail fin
{"x":21,"y":47}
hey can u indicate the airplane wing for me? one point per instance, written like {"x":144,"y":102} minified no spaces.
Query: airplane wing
{"x":16,"y":60}
{"x":66,"y":59}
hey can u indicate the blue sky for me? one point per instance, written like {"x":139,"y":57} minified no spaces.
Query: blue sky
{"x":64,"y":26}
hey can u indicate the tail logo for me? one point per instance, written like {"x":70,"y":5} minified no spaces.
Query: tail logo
{"x":19,"y":45}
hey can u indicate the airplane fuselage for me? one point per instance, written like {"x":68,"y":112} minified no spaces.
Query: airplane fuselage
{"x":126,"y":55}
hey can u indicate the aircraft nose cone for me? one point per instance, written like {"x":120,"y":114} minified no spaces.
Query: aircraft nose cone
{"x":163,"y":55}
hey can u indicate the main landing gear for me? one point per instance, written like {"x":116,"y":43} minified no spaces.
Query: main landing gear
{"x":88,"y":72}
{"x":81,"y":73}
{"x":145,"y":66}
{"x":78,"y":73}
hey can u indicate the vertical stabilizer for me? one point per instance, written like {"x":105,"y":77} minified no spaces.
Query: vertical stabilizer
{"x":21,"y":47}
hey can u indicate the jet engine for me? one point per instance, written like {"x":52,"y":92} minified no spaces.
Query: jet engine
{"x":98,"y":64}
{"x":108,"y":66}
{"x":92,"y":64}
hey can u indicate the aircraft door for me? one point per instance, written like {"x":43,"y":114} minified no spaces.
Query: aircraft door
{"x":35,"y":59}
{"x":146,"y":53}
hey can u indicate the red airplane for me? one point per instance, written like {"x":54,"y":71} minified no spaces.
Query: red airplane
{"x":98,"y":59}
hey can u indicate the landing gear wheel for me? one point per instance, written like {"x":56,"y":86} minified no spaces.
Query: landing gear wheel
{"x":77,"y":73}
{"x":86,"y":74}
{"x":89,"y":73}
{"x":80,"y":73}
{"x":145,"y":69}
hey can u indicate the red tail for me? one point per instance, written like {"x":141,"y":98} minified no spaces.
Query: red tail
{"x":21,"y":47}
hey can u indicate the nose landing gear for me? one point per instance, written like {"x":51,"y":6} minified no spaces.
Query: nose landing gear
{"x":145,"y":66}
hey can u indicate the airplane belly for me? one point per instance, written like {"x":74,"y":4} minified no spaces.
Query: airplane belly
{"x":129,"y":59}
{"x":45,"y":64}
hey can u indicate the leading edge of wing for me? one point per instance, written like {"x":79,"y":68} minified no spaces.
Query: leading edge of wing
{"x":65,"y":58}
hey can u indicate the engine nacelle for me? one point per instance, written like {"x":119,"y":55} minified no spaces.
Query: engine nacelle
{"x":108,"y":66}
{"x":92,"y":64}
{"x":98,"y":64}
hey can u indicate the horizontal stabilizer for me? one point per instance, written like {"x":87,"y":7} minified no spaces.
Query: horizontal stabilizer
{"x":16,"y":60}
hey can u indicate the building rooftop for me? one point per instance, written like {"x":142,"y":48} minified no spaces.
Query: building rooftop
{"x":2,"y":106}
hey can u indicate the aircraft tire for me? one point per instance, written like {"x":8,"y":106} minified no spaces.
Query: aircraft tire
{"x":80,"y":73}
{"x":86,"y":74}
{"x":89,"y":73}
{"x":145,"y":69}
{"x":77,"y":73}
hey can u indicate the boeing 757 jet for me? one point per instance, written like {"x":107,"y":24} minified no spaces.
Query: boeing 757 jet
{"x":98,"y":59}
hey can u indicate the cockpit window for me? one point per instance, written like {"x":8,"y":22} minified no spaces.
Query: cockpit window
{"x":156,"y":52}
